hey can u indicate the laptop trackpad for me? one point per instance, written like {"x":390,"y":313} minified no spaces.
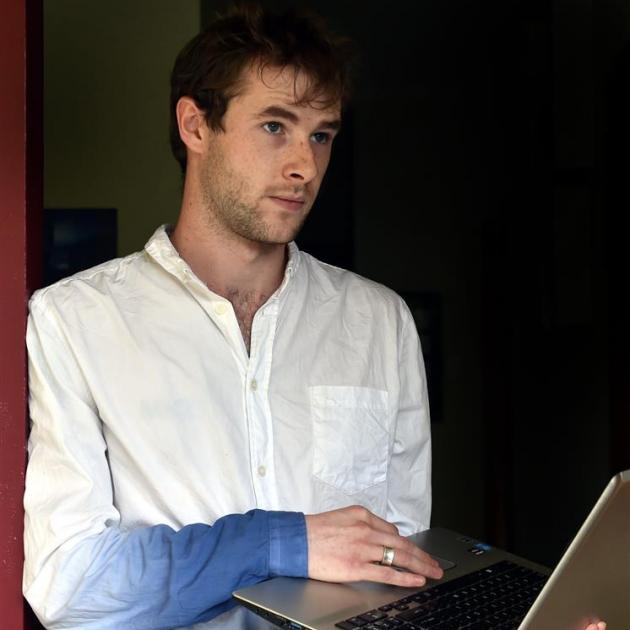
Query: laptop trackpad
{"x":445,"y":564}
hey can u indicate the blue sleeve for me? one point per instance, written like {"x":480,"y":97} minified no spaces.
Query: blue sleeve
{"x":155,"y":577}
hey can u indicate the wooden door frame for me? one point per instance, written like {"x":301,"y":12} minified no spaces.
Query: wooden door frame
{"x":21,"y":166}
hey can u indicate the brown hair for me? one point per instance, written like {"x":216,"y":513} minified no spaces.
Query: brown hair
{"x":210,"y":66}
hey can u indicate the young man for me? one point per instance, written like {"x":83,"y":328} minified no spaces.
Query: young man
{"x":190,"y":403}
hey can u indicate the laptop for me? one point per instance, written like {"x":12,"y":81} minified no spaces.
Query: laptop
{"x":482,"y":588}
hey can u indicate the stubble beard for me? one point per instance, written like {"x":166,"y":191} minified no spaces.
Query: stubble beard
{"x":231,"y":206}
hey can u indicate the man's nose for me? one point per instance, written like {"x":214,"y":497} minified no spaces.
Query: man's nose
{"x":301,"y":165}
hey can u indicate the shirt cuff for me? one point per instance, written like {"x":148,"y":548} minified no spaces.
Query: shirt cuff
{"x":288,"y":547}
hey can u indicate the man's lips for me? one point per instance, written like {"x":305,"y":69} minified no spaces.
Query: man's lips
{"x":289,"y":203}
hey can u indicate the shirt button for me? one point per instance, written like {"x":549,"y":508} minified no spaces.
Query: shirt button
{"x":262,"y":471}
{"x":220,"y":309}
{"x":254,"y":385}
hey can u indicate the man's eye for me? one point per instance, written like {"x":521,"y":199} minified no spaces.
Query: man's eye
{"x":273,"y":127}
{"x":321,"y":137}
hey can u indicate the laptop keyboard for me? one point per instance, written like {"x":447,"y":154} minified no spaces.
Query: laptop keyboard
{"x":494,"y":598}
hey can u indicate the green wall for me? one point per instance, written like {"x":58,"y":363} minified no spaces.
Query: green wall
{"x":106,"y":112}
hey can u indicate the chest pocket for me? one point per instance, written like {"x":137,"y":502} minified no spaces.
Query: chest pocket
{"x":350,"y":436}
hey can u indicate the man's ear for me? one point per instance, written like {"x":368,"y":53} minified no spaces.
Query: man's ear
{"x":191,"y":121}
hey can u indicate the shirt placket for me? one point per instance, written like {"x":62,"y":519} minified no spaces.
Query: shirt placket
{"x":258,"y":407}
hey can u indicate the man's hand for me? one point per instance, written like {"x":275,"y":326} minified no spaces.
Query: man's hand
{"x":345,"y":545}
{"x":600,"y":625}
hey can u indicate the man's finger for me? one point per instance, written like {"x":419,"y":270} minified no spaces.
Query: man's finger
{"x":387,"y":575}
{"x":412,"y":563}
{"x":406,"y":556}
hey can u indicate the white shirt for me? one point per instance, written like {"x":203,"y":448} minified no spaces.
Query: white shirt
{"x":147,"y":409}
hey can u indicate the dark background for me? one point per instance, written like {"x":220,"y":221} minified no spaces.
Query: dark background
{"x":496,"y":135}
{"x":483,"y":165}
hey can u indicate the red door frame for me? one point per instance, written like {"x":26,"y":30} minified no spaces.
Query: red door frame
{"x":20,"y":247}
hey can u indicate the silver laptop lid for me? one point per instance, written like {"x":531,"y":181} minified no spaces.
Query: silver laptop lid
{"x":593,"y":578}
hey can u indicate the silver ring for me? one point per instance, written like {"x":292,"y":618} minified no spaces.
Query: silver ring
{"x":388,"y":556}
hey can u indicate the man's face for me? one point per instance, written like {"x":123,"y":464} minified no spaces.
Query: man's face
{"x":260,"y":176}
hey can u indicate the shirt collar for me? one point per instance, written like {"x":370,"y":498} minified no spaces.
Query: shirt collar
{"x":160,"y":248}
